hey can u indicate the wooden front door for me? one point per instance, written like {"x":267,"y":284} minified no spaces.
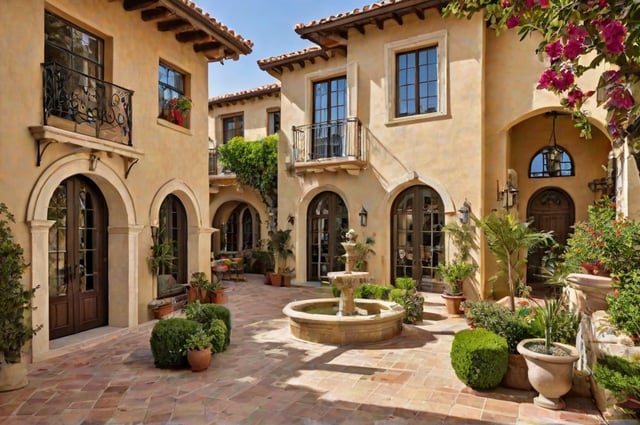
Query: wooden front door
{"x":552,"y":209}
{"x":328,"y":222}
{"x":77,"y":258}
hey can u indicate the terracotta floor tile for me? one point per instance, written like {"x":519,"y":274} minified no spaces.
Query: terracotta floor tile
{"x":269,"y":378}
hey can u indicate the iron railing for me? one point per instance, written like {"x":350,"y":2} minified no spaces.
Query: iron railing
{"x":84,"y":104}
{"x":340,"y":139}
{"x":213,"y":161}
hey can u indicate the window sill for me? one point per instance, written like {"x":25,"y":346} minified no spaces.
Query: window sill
{"x":176,"y":127}
{"x":411,"y":119}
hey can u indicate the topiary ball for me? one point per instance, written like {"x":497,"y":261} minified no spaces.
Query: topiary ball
{"x":167,"y":341}
{"x":218,"y":332}
{"x":479,"y":358}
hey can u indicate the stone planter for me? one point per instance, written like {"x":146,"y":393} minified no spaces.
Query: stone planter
{"x":551,"y":376}
{"x":13,"y":376}
{"x":587,"y":292}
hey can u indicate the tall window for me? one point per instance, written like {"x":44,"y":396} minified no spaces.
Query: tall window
{"x":274,"y":121}
{"x":73,"y":47}
{"x":329,"y":112}
{"x":232,"y":127}
{"x":171,"y":84}
{"x":173,"y":222}
{"x":417,"y":82}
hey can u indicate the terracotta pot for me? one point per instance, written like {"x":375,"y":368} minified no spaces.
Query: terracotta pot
{"x":204,"y":296}
{"x":162,"y":311}
{"x":551,"y":376}
{"x":453,"y":303}
{"x":219,"y":297}
{"x":276,"y":279}
{"x":192,"y":294}
{"x":199,"y":360}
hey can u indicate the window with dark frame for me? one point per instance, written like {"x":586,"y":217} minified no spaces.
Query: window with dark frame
{"x":73,"y":47}
{"x":274,"y":122}
{"x":417,"y":82}
{"x":329,"y":113}
{"x":232,"y":127}
{"x":171,"y":85}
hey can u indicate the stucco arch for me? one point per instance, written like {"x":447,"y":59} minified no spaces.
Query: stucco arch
{"x":122,"y":242}
{"x":414,"y":178}
{"x":186,"y":195}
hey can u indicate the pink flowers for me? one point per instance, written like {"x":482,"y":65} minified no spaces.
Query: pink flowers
{"x":613,"y":34}
{"x":513,"y":21}
{"x":620,"y":98}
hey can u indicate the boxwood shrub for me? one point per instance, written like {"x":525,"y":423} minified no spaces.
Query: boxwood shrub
{"x":206,"y":314}
{"x":218,"y":332}
{"x":167,"y":341}
{"x":479,"y":358}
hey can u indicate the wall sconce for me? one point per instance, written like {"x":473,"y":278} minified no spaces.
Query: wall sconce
{"x":599,"y":185}
{"x":508,"y":196}
{"x":464,"y":211}
{"x":93,"y":162}
{"x":291,"y":219}
{"x":363,"y":216}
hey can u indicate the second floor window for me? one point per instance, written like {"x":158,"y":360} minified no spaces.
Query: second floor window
{"x":274,"y":122}
{"x":73,"y":47}
{"x":232,"y":127}
{"x":173,"y":103}
{"x":417,"y":82}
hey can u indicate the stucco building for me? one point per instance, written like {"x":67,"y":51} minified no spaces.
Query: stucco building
{"x":93,"y":159}
{"x":238,"y":215}
{"x":397,"y":119}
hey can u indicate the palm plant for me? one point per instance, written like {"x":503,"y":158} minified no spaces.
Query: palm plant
{"x":506,"y":237}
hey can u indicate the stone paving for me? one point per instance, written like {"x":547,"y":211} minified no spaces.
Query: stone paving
{"x":268,"y":378}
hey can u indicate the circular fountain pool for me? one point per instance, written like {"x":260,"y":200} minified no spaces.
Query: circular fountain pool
{"x":316,"y":320}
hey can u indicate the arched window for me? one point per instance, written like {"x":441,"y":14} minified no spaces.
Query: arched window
{"x":551,"y":161}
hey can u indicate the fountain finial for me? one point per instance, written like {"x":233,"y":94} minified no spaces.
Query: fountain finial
{"x":351,"y":236}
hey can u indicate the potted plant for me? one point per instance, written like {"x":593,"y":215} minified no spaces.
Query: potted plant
{"x":506,"y":238}
{"x":176,"y":108}
{"x":363,"y":250}
{"x":15,"y":303}
{"x":280,"y":246}
{"x":453,"y":275}
{"x":161,"y":307}
{"x":198,"y":349}
{"x":550,"y":364}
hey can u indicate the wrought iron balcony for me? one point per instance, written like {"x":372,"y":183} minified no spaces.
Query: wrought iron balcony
{"x":329,"y":145}
{"x":84,"y":104}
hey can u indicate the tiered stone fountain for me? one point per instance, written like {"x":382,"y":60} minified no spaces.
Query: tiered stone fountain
{"x":345,"y":320}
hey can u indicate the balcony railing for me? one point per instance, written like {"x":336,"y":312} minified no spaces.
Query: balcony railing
{"x":338,"y":140}
{"x":84,"y":104}
{"x":213,"y":162}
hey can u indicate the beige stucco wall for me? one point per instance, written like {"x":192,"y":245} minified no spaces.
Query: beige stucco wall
{"x":174,"y":160}
{"x":494,"y":122}
{"x":254,"y":110}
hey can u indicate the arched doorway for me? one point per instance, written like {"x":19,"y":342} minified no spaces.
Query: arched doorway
{"x":239,"y":225}
{"x":417,"y":245}
{"x":173,"y":225}
{"x":328,"y":221}
{"x":77,"y":257}
{"x":551,"y":209}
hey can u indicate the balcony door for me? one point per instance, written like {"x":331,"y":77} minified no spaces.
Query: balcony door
{"x":77,"y":258}
{"x":329,"y":114}
{"x":328,"y":221}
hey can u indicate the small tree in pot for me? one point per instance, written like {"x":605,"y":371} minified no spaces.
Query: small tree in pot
{"x":15,"y":302}
{"x":455,"y":272}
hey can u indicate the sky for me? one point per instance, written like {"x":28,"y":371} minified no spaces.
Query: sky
{"x":269,"y":24}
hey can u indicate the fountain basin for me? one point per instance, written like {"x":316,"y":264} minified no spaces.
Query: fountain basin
{"x":376,"y":320}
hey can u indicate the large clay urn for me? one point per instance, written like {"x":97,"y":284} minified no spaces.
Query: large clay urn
{"x":550,"y":375}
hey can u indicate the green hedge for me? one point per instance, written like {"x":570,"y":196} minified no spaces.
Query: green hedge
{"x":218,"y":332}
{"x":168,"y":338}
{"x":479,"y":358}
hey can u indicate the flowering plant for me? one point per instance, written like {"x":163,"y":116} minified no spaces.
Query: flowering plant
{"x":577,"y":36}
{"x":624,"y":304}
{"x":605,"y":244}
{"x":180,"y":103}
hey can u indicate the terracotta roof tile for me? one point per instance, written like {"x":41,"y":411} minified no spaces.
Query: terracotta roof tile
{"x":244,"y":94}
{"x":217,"y":24}
{"x":289,"y":56}
{"x":354,"y":12}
